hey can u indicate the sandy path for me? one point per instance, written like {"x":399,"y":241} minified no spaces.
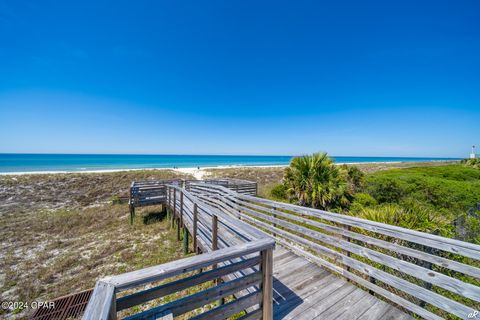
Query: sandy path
{"x":197,"y":173}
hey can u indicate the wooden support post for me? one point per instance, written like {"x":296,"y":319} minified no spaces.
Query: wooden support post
{"x":179,"y":235}
{"x":372,"y":280}
{"x":194,"y":231}
{"x":174,"y":202}
{"x":174,"y":206}
{"x":214,"y":232}
{"x":267,"y":284}
{"x":428,"y":265}
{"x":169,"y":198}
{"x":132,"y":213}
{"x":185,"y":241}
{"x":215,"y":247}
{"x":112,"y":315}
{"x":181,"y":209}
{"x":167,"y":202}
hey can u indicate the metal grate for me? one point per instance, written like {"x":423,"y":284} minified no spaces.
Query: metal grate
{"x":67,"y":307}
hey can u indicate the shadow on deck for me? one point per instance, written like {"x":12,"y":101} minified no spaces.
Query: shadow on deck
{"x":303,"y":290}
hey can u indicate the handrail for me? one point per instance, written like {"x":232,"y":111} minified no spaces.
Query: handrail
{"x":102,"y":304}
{"x":227,"y":219}
{"x":240,"y":254}
{"x":156,"y":273}
{"x":410,"y":268}
{"x":467,"y":249}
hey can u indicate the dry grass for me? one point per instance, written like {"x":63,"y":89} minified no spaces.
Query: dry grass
{"x":71,"y":190}
{"x":60,"y":234}
{"x":52,"y":253}
{"x":374,"y":167}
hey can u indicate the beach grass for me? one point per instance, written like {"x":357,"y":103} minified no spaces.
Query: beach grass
{"x":62,"y":232}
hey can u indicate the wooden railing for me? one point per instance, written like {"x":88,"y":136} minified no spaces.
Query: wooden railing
{"x":237,"y":185}
{"x":427,"y":275}
{"x":235,"y":256}
{"x":153,"y":192}
{"x":149,"y":192}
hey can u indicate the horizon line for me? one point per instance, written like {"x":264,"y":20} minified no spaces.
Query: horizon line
{"x":222,"y":155}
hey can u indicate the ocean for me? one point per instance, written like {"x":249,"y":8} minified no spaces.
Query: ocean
{"x":10,"y":162}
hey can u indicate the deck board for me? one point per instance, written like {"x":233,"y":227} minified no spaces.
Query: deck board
{"x":303,"y":290}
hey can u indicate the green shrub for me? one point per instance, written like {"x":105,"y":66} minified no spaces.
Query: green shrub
{"x":355,"y":178}
{"x":453,"y":188}
{"x":365,"y":199}
{"x":315,"y":181}
{"x":414,"y":217}
{"x":386,"y":189}
{"x":279,"y":191}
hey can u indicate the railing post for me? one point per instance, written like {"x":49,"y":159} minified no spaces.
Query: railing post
{"x":195,"y":222}
{"x":179,"y":218}
{"x":215,"y":247}
{"x":113,"y":308}
{"x":214,"y":232}
{"x":181,"y":209}
{"x":174,"y":202}
{"x":185,"y":241}
{"x":131,"y":204}
{"x":184,"y":228}
{"x":132,"y":213}
{"x":267,"y":284}
{"x":172,"y":209}
{"x":167,"y":201}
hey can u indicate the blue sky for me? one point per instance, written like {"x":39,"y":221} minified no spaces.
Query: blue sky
{"x":376,"y":78}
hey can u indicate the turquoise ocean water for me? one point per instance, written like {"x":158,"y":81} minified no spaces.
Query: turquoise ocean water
{"x":88,"y":162}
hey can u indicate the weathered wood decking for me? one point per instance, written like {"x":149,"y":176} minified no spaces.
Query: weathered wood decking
{"x":303,"y":290}
{"x":325,"y":265}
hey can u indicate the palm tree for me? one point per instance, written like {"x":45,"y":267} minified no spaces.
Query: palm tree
{"x":315,"y":181}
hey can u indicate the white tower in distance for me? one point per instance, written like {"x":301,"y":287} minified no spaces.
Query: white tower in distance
{"x":473,"y":155}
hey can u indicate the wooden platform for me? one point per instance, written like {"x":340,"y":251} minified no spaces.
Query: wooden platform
{"x":282,"y":261}
{"x":303,"y":290}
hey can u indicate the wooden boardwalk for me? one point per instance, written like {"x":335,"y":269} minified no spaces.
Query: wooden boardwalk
{"x":303,"y":290}
{"x":281,"y":261}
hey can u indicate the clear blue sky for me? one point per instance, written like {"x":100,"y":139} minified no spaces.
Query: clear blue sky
{"x":391,"y":78}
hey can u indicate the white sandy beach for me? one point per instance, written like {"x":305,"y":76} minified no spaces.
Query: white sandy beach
{"x":197,"y":173}
{"x":200,"y":173}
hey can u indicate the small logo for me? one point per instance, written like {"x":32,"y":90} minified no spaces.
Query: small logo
{"x":473,"y":315}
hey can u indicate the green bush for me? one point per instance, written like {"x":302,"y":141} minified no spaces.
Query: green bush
{"x":362,"y":200}
{"x":279,"y":191}
{"x":386,"y":189}
{"x":355,"y":178}
{"x":414,"y":216}
{"x":453,"y":188}
{"x":315,"y":181}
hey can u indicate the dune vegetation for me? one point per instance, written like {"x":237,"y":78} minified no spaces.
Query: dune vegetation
{"x":62,"y":232}
{"x":442,"y":200}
